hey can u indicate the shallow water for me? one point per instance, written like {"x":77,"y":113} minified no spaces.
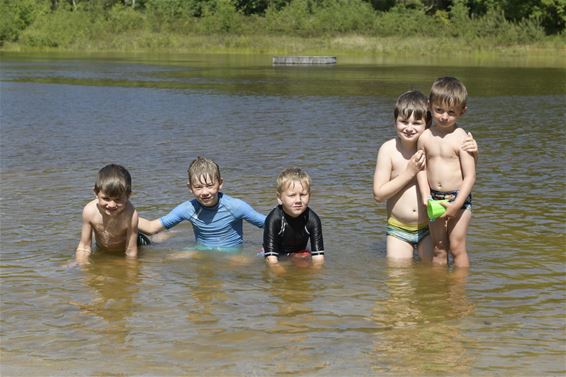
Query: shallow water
{"x":64,"y":117}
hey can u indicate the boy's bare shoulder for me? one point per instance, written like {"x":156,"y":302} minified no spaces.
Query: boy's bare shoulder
{"x":424,"y":136}
{"x":387,"y":148}
{"x":460,"y":132}
{"x":91,"y":213}
{"x":389,"y":144}
{"x":91,"y":207}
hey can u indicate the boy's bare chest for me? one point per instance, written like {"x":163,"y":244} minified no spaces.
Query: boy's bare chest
{"x":446,"y":147}
{"x":110,"y":227}
{"x":398,"y":164}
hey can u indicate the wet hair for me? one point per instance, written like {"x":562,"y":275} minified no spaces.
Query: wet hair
{"x":113,"y":180}
{"x":291,"y":175}
{"x":414,"y":103}
{"x":449,"y":91}
{"x":201,"y":169}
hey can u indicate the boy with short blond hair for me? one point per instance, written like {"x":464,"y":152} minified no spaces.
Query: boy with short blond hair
{"x":450,"y":174}
{"x":111,"y":216}
{"x":292,"y":224}
{"x":217,"y":218}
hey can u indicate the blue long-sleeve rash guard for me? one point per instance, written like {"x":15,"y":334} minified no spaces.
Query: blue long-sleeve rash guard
{"x":220,"y":226}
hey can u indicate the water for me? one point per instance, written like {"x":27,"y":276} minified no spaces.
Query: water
{"x":64,"y":117}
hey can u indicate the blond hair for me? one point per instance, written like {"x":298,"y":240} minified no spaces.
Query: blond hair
{"x":201,"y":169}
{"x":449,"y":91}
{"x":292,"y":175}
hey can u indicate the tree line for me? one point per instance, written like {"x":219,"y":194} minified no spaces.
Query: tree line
{"x":56,"y":23}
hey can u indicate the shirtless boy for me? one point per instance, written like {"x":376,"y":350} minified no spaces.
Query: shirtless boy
{"x":450,"y":173}
{"x":111,"y":216}
{"x":397,"y":165}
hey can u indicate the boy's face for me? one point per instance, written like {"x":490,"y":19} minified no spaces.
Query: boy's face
{"x":111,"y":205}
{"x":205,"y":189}
{"x":444,"y":115}
{"x":409,"y":129}
{"x":294,"y":199}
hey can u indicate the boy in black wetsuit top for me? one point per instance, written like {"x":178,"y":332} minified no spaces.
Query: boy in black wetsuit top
{"x":289,"y":226}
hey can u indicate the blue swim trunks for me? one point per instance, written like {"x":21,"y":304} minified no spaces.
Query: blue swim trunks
{"x":450,"y":196}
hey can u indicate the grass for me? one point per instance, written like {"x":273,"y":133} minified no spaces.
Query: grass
{"x":552,"y":50}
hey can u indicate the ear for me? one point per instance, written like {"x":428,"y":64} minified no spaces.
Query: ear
{"x":279,"y":199}
{"x":189,"y":187}
{"x":221,"y":181}
{"x":463,"y":110}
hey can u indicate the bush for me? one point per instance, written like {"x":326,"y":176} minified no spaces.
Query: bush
{"x":16,"y":16}
{"x":221,"y":17}
{"x":404,"y":22}
{"x":342,"y":16}
{"x":122,"y":19}
{"x":63,"y":28}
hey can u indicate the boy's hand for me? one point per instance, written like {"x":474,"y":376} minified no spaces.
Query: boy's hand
{"x":469,"y":145}
{"x":451,"y":210}
{"x":417,"y":162}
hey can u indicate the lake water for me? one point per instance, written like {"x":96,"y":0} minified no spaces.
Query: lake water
{"x":64,"y":117}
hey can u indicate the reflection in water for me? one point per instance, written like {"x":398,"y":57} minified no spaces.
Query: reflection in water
{"x":114,"y":283}
{"x":295,"y":320}
{"x":419,"y":330}
{"x":207,"y":291}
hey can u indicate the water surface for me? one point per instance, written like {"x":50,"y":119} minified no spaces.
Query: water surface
{"x":64,"y":117}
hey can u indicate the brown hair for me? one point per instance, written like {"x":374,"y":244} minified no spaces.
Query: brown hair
{"x":113,"y":180}
{"x":450,"y":91}
{"x":414,"y":103}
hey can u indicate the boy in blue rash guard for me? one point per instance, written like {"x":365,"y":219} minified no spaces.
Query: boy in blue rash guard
{"x":217,"y":218}
{"x":290,"y":225}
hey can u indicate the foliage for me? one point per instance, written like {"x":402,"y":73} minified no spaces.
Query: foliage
{"x":16,"y":16}
{"x":68,"y":23}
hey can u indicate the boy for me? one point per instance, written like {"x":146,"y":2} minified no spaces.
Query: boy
{"x":450,"y":174}
{"x":291,"y":224}
{"x":217,"y":218}
{"x":397,"y":165}
{"x":111,"y":216}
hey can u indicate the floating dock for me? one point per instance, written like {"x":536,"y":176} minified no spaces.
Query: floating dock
{"x":288,"y":60}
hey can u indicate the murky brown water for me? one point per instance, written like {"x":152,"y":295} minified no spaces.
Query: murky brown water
{"x":62,"y":118}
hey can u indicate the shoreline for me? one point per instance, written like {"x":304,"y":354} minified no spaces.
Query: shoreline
{"x":551,"y":53}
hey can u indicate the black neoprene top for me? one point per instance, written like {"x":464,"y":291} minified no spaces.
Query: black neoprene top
{"x":283,"y":234}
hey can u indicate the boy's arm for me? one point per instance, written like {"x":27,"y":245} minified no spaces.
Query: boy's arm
{"x":316,"y":240}
{"x":85,"y":244}
{"x":132,"y":236}
{"x":270,"y":240}
{"x":422,"y":180}
{"x":251,"y":215}
{"x":471,"y":146}
{"x":468,"y":164}
{"x":150,"y":226}
{"x":383,"y":186}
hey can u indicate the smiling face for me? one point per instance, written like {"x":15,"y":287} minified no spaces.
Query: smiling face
{"x":294,"y":198}
{"x":111,"y":205}
{"x":205,"y":189}
{"x":409,"y":129}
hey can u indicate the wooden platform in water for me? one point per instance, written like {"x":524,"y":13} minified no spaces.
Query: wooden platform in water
{"x":287,"y":60}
